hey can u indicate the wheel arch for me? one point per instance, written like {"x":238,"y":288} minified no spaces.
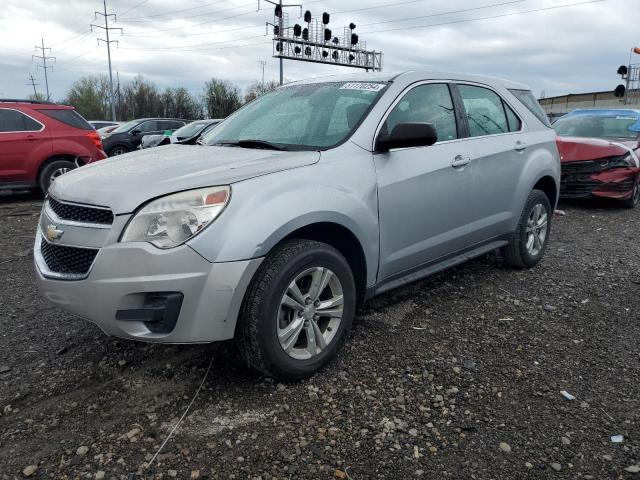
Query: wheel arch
{"x":342,"y":239}
{"x":548,"y":185}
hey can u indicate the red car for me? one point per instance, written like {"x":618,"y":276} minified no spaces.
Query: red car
{"x":599,"y":154}
{"x":41,"y":141}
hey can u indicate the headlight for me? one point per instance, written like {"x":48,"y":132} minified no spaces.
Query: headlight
{"x":172,"y":220}
{"x":620,"y":161}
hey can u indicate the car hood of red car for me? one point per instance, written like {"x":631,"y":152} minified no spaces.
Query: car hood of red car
{"x":576,"y":149}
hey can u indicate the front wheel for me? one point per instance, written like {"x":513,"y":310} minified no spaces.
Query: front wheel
{"x":297,"y":311}
{"x":530,"y":239}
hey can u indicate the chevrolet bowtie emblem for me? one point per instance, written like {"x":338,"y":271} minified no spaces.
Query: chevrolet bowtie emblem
{"x":53,"y":233}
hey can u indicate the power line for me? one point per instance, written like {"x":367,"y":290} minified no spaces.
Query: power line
{"x":108,"y":42}
{"x":134,"y":7}
{"x":44,"y":57}
{"x":146,"y":17}
{"x":406,"y":19}
{"x":555,"y":7}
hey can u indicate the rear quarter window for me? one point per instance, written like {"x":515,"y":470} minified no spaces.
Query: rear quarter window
{"x":15,"y":121}
{"x":68,"y":117}
{"x":528,"y":100}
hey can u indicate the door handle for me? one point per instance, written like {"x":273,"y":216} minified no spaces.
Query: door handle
{"x":30,"y":138}
{"x":520,"y":146}
{"x":460,"y":161}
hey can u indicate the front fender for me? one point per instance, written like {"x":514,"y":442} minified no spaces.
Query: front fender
{"x":264,"y":210}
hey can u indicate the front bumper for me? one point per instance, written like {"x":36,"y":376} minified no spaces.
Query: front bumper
{"x":616,"y":183}
{"x":123,"y":274}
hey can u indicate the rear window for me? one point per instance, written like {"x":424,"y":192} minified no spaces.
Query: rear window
{"x":529,"y":101}
{"x":68,"y":117}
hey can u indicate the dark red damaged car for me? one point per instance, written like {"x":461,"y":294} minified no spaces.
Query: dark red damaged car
{"x":599,"y":154}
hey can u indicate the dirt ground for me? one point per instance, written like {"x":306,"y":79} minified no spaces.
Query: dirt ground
{"x":457,"y":376}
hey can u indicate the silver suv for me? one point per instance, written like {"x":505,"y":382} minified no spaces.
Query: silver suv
{"x":298,"y":208}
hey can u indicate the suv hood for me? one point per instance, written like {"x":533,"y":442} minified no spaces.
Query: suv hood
{"x":124,"y":182}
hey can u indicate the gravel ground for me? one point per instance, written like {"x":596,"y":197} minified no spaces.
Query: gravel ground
{"x":458,"y":376}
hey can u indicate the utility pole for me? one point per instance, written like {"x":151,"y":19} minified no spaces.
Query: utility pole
{"x":107,"y":29}
{"x":44,"y":57}
{"x":262,"y":63}
{"x":33,"y":83}
{"x":280,"y":14}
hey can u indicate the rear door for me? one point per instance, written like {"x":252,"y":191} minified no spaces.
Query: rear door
{"x":424,"y":193}
{"x":22,"y":140}
{"x":499,"y":153}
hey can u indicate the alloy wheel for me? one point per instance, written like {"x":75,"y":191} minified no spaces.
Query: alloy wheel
{"x":537,"y":226}
{"x":310,"y":313}
{"x":57,"y":172}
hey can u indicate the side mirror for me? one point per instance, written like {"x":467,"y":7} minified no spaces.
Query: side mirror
{"x":135,"y":133}
{"x":405,"y":135}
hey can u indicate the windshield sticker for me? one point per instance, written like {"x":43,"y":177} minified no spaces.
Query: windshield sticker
{"x":364,"y":86}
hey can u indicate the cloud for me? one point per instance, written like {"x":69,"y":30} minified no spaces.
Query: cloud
{"x":559,"y":51}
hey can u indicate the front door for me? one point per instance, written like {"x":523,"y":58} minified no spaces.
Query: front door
{"x":425,"y":193}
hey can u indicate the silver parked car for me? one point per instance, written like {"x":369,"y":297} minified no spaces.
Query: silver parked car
{"x":300,"y":206}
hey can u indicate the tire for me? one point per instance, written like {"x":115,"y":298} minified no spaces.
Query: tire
{"x":118,"y":150}
{"x":635,"y":196}
{"x":52,"y":170}
{"x":526,"y":248}
{"x":265,"y":319}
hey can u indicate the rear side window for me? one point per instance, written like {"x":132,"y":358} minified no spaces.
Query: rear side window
{"x":68,"y":117}
{"x":485,"y":109}
{"x":15,"y":121}
{"x":529,"y":101}
{"x":512,"y":118}
{"x":430,"y":103}
{"x":148,"y":127}
{"x":169,"y":124}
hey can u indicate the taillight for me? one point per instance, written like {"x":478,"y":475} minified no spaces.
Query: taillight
{"x":95,"y":138}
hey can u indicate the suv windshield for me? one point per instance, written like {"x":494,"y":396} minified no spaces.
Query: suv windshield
{"x":126,"y":127}
{"x":598,"y":125}
{"x":299,"y":117}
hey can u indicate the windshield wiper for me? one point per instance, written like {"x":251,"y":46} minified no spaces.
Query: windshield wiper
{"x":251,"y":143}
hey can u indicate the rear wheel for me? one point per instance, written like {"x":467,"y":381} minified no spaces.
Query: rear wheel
{"x":530,"y":239}
{"x":118,"y":150}
{"x":53,"y":170}
{"x":634,"y":200}
{"x":297,"y":311}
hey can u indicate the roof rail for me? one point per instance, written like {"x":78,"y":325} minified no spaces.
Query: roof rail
{"x":20,"y":100}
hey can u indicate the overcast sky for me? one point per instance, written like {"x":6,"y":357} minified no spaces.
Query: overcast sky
{"x":558,"y":51}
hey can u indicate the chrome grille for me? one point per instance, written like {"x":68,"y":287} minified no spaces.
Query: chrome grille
{"x":80,"y":213}
{"x":67,"y":260}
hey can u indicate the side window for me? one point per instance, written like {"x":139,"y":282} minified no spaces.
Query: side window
{"x":146,"y":127}
{"x":169,"y":124}
{"x":15,"y":121}
{"x":514,"y":122}
{"x":429,"y":103}
{"x":485,"y":111}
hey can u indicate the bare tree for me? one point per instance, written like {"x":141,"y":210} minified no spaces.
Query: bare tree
{"x":258,"y":88}
{"x":90,"y":96}
{"x":220,"y":98}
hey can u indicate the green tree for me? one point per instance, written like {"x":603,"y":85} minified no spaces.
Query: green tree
{"x":90,"y":97}
{"x":220,"y":98}
{"x":258,"y":88}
